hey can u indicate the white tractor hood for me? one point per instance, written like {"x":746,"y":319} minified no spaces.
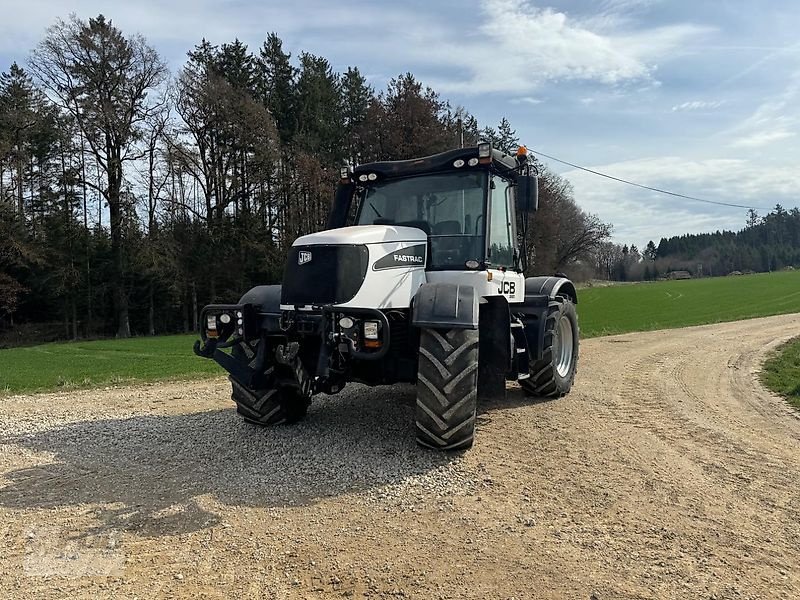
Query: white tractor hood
{"x":363,"y":234}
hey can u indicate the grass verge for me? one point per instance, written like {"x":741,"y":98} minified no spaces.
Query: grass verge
{"x":781,"y":372}
{"x":62,"y":366}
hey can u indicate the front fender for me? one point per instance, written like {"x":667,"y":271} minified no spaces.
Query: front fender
{"x":445,"y":306}
{"x":266,"y":300}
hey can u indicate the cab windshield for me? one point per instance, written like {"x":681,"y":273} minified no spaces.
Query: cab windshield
{"x":449,"y":207}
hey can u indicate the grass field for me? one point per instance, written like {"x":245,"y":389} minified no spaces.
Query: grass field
{"x":602,"y":310}
{"x":88,"y":364}
{"x":781,"y":372}
{"x":667,"y":304}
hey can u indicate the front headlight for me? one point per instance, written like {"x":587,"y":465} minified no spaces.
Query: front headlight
{"x":371,"y":330}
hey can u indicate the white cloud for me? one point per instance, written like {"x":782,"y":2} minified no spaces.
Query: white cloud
{"x":183,"y":23}
{"x":526,"y":100}
{"x":762,"y":138}
{"x":698,"y":105}
{"x":520,"y":46}
{"x":776,"y":119}
{"x":639,"y":215}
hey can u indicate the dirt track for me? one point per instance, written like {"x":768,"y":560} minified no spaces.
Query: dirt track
{"x":667,"y":473}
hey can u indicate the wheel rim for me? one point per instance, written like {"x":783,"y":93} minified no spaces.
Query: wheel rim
{"x":565,"y":347}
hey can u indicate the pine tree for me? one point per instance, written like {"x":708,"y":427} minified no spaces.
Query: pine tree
{"x":356,"y":98}
{"x":276,"y":81}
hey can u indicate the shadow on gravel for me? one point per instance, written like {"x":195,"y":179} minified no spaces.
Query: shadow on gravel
{"x":149,"y":472}
{"x":515,"y":398}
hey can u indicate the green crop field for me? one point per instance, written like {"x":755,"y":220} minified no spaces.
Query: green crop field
{"x":87,"y":364}
{"x":602,"y":310}
{"x":667,"y":304}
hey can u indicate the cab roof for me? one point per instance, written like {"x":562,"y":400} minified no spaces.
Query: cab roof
{"x":502,"y":163}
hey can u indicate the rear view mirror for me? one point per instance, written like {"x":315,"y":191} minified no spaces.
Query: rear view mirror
{"x":527,"y":193}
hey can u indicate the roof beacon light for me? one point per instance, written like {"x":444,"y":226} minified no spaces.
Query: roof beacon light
{"x":458,"y":163}
{"x":522,"y":151}
{"x":484,"y":150}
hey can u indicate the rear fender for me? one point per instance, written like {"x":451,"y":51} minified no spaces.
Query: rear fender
{"x":539,"y":292}
{"x":550,"y":287}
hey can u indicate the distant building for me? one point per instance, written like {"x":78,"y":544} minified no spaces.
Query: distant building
{"x":679,"y":275}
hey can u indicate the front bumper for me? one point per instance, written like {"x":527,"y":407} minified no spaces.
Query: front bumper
{"x":245,"y":324}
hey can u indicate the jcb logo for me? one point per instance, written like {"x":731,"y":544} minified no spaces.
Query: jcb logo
{"x":507,"y":288}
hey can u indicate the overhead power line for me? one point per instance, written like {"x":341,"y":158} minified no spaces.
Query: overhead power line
{"x":644,"y":187}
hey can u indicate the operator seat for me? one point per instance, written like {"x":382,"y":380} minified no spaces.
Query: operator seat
{"x":448,"y":248}
{"x":447,"y":228}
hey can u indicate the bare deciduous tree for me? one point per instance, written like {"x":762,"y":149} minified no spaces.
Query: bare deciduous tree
{"x":105,"y":81}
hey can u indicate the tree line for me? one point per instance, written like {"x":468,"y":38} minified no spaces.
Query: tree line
{"x":764,"y":244}
{"x":131,"y":196}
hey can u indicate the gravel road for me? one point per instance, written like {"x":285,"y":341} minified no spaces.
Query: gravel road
{"x":667,"y":473}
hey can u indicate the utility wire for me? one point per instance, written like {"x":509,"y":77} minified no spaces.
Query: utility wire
{"x":644,"y":187}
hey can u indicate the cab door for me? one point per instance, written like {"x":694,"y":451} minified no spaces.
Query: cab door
{"x":501,"y":242}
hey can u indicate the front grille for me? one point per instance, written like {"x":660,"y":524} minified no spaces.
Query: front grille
{"x":324,"y":274}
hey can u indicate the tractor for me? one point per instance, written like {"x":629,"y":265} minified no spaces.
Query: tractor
{"x":419,"y":277}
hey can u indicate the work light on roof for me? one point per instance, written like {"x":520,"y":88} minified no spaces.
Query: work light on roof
{"x":458,"y":163}
{"x":472,"y":162}
{"x":372,"y":176}
{"x":484,"y":150}
{"x":362,"y":177}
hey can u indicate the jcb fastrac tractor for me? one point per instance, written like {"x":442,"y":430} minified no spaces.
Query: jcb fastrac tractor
{"x":418,"y":278}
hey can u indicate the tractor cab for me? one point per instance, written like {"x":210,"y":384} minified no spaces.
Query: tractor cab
{"x":464,"y":200}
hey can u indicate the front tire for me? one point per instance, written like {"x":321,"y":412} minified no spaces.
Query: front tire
{"x":447,"y":381}
{"x":270,"y":404}
{"x":554,"y":374}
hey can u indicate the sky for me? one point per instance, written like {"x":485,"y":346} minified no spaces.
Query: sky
{"x":698,"y":97}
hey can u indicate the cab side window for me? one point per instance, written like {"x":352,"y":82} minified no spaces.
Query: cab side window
{"x":501,"y":246}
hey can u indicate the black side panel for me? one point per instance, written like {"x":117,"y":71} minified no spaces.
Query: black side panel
{"x":494,"y":349}
{"x":324,"y":274}
{"x":551,"y":287}
{"x":411,"y":256}
{"x":445,"y":306}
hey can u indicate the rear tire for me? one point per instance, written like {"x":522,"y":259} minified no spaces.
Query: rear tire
{"x":554,"y":374}
{"x":447,"y":382}
{"x":270,"y":405}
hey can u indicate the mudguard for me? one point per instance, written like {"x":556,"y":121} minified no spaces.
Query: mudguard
{"x":494,"y":354}
{"x":551,"y":287}
{"x":539,"y":292}
{"x":266,"y":299}
{"x":445,"y":306}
